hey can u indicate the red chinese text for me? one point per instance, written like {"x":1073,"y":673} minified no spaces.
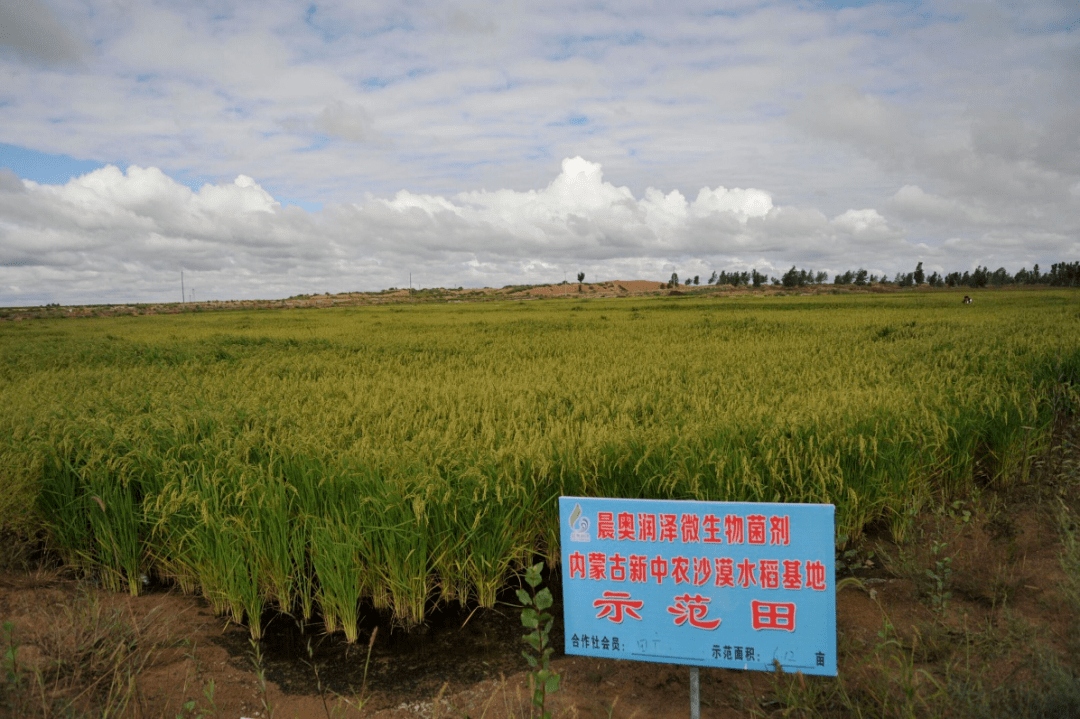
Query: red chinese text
{"x":646,"y":527}
{"x":773,"y":615}
{"x":605,"y":525}
{"x":711,"y":523}
{"x":669,"y":529}
{"x":692,"y":610}
{"x":725,"y":572}
{"x":755,"y":529}
{"x":616,"y":605}
{"x":733,"y":529}
{"x":770,"y":574}
{"x":780,"y":530}
{"x":577,"y":565}
{"x":815,"y":575}
{"x":618,"y":568}
{"x":597,"y":565}
{"x":638,"y":571}
{"x":689,"y":526}
{"x":746,"y":574}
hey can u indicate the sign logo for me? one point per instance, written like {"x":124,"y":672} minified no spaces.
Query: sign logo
{"x":579,"y":525}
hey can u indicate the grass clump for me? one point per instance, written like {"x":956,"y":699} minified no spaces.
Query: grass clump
{"x":85,"y":663}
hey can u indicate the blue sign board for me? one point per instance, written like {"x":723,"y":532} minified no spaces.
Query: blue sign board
{"x":717,"y":584}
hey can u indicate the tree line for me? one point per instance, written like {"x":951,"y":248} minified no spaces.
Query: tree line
{"x":1061,"y":274}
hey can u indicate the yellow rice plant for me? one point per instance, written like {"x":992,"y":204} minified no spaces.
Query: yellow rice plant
{"x":411,"y":454}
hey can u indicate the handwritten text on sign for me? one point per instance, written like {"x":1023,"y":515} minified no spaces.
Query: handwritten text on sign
{"x":726,"y":584}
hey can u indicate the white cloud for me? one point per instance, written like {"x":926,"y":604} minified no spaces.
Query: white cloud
{"x":742,"y":203}
{"x":9,"y":181}
{"x":348,"y":122}
{"x":136,"y":229}
{"x":860,"y":221}
{"x":30,"y":30}
{"x":431,"y":133}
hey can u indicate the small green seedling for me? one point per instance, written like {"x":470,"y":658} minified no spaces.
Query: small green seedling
{"x":11,"y":655}
{"x":534,"y":616}
{"x":940,"y":576}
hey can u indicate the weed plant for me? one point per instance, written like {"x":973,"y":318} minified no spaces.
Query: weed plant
{"x":87,"y":665}
{"x":535,"y":617}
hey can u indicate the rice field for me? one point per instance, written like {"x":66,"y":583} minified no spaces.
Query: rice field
{"x":317,"y":462}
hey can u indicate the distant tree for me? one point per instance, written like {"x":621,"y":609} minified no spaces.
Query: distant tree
{"x":935,"y":280}
{"x":1063,"y":274}
{"x":874,"y":278}
{"x":581,"y":277}
{"x":980,"y":277}
{"x":712,"y":278}
{"x":697,"y":280}
{"x":674,"y":281}
{"x":757,"y":278}
{"x":820,"y":277}
{"x":790,"y":278}
{"x":733,"y":278}
{"x":918,"y":275}
{"x":860,"y":277}
{"x":797,"y":278}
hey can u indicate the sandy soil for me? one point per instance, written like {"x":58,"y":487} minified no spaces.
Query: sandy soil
{"x":570,"y":290}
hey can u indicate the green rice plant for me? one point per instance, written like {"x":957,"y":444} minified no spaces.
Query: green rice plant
{"x":394,"y":532}
{"x":116,"y":520}
{"x":64,"y":505}
{"x":335,"y":557}
{"x":300,"y":556}
{"x":229,"y":576}
{"x":243,"y":589}
{"x":268,"y":519}
{"x":498,"y":543}
{"x":241,"y":449}
{"x":197,"y":526}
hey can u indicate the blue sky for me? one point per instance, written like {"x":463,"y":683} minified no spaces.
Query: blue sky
{"x":46,"y":168}
{"x":274,"y":148}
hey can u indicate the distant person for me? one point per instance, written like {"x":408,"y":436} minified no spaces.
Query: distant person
{"x":967,"y":300}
